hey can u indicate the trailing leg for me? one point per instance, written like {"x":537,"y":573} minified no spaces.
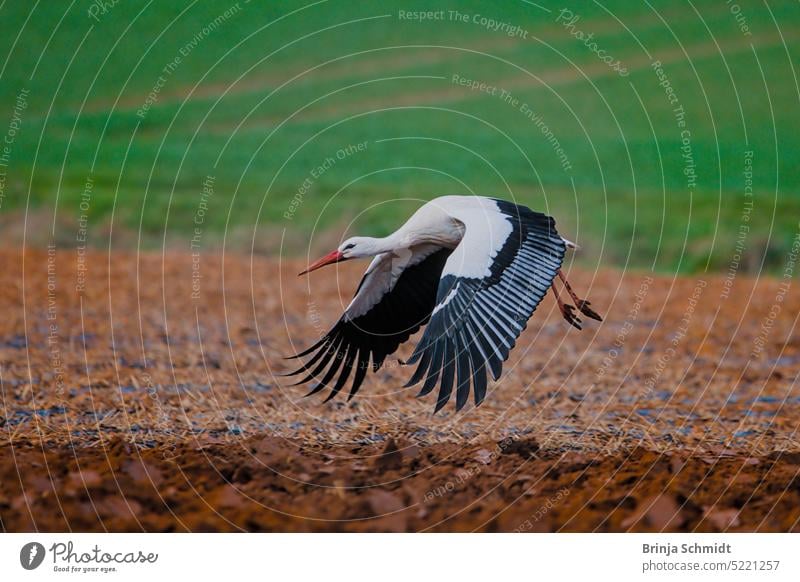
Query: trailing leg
{"x":568,"y":311}
{"x":581,"y":304}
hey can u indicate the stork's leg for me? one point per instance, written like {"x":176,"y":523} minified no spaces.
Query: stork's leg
{"x":568,"y":311}
{"x":581,"y":304}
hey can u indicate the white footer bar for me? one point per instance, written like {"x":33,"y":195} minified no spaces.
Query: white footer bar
{"x":406,"y":557}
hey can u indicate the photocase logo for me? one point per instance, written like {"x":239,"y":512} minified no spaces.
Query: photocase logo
{"x":31,"y":555}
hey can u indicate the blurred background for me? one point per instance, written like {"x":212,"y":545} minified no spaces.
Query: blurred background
{"x":660,"y":135}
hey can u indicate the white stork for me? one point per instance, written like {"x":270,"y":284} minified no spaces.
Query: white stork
{"x":474,"y":269}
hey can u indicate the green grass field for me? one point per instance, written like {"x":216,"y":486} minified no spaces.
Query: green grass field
{"x":261,"y":96}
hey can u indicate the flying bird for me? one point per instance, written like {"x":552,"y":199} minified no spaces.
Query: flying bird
{"x":472,"y":269}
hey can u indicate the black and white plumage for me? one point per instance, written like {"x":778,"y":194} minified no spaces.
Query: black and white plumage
{"x":473,"y":269}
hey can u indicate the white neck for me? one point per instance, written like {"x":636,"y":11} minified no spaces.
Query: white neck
{"x":374,"y":246}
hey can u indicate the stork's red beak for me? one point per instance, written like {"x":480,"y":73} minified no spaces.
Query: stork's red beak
{"x":330,"y":258}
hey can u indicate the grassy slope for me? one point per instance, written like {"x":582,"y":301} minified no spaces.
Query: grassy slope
{"x":625,"y":197}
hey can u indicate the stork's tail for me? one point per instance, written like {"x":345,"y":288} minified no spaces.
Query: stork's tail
{"x":570,"y":244}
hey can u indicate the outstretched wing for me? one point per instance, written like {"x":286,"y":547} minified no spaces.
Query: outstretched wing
{"x":490,"y":286}
{"x":395,"y":297}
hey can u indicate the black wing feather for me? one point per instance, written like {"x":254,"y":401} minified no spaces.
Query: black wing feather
{"x":377,"y":333}
{"x":479,"y":325}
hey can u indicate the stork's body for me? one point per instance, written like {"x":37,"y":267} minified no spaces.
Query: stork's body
{"x":474,"y":269}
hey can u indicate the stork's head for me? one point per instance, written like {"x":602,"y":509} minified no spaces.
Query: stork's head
{"x":357,"y":247}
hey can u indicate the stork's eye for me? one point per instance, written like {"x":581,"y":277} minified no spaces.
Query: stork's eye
{"x":349,"y":246}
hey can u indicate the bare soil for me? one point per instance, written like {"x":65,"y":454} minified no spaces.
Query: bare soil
{"x":141,"y":393}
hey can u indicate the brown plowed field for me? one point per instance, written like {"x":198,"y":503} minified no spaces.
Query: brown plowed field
{"x":140,"y":392}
